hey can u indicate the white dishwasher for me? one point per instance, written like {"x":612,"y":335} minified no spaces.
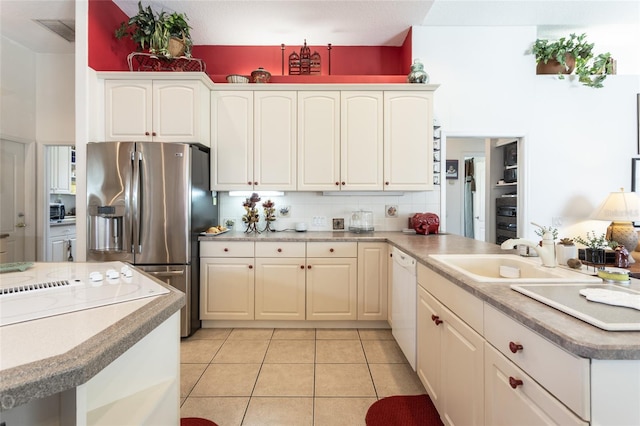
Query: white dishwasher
{"x":403,"y":303}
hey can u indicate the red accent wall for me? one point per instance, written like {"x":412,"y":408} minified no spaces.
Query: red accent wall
{"x":106,"y":52}
{"x":348,"y":63}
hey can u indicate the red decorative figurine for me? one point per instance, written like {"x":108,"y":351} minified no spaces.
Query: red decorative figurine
{"x":426,"y":223}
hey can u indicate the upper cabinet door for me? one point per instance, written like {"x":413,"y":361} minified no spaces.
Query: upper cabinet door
{"x":177,"y":112}
{"x":408,"y":141}
{"x":318,"y":141}
{"x":128,"y":105}
{"x":361,"y":139}
{"x":274,"y":149}
{"x":231,"y":141}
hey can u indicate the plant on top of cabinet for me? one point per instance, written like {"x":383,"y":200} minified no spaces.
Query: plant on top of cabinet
{"x":572,"y":54}
{"x":163,"y":33}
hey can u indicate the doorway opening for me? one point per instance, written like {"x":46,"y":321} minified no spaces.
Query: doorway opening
{"x":488,"y":178}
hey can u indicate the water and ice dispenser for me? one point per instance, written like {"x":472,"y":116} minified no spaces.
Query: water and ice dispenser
{"x":106,"y":228}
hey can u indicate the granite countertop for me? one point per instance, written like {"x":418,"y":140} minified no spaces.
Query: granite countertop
{"x":574,"y":335}
{"x":65,"y":351}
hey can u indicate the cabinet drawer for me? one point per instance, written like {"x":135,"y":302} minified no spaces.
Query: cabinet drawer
{"x":563,"y":374}
{"x":528,"y":401}
{"x":332,"y":249}
{"x":62,"y":230}
{"x":226,"y":249}
{"x":280,"y":249}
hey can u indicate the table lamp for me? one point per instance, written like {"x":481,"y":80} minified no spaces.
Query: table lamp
{"x":622,"y":209}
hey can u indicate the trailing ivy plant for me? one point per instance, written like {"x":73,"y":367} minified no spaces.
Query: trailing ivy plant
{"x":591,"y":69}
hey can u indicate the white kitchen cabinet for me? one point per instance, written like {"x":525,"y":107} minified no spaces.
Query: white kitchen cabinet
{"x":372,"y":281}
{"x":408,"y":141}
{"x":450,"y":355}
{"x":340,"y":140}
{"x":280,"y":281}
{"x":231,"y":140}
{"x":61,"y":239}
{"x":227,"y":280}
{"x":157,"y":110}
{"x":62,"y":170}
{"x":318,"y":140}
{"x":361,"y":136}
{"x":332,"y":280}
{"x":253,"y":140}
{"x":513,"y":397}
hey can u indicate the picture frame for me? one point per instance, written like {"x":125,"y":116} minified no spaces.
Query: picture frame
{"x":452,"y":169}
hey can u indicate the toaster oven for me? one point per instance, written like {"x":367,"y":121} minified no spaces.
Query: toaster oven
{"x":56,"y":211}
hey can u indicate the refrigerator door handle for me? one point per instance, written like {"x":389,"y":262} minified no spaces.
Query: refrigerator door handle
{"x":167,"y":273}
{"x":137,"y":200}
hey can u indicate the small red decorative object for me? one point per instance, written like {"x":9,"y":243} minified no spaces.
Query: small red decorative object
{"x":426,"y":223}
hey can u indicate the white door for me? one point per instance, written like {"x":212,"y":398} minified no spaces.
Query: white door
{"x":13,"y":214}
{"x":479,"y":199}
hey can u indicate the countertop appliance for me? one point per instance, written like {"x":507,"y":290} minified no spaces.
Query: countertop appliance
{"x":361,"y":221}
{"x":403,"y":303}
{"x":56,"y":211}
{"x":147,"y":204}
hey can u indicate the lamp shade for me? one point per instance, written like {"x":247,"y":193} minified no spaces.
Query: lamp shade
{"x":619,"y":207}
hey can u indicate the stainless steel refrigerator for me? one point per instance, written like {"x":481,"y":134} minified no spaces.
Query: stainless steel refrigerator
{"x":147,"y":204}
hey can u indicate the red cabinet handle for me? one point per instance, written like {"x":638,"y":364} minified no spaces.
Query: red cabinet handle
{"x":386,"y":183}
{"x":331,"y":250}
{"x":514,"y":383}
{"x":226,"y":249}
{"x":146,"y":133}
{"x":343,"y":184}
{"x":337,"y":183}
{"x":515,"y":347}
{"x":153,"y":133}
{"x":436,"y":319}
{"x":308,"y":266}
{"x":279,"y":250}
{"x":255,"y":183}
{"x":301,"y":266}
{"x":390,"y":254}
{"x":249,"y":183}
{"x":250,"y":266}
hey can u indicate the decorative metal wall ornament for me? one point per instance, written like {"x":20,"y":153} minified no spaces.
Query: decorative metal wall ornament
{"x":305,"y":63}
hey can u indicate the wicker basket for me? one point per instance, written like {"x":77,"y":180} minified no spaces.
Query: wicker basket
{"x":176,"y":47}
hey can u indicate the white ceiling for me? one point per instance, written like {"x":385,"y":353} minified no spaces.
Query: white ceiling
{"x":346,"y":22}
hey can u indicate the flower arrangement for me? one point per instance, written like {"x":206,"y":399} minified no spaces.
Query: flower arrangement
{"x":269,"y":214}
{"x":596,"y":242}
{"x":251,"y":216}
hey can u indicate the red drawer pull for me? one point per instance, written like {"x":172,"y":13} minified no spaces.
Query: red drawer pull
{"x":436,"y":319}
{"x":250,"y":266}
{"x":226,"y":249}
{"x":514,"y":383}
{"x":515,"y":347}
{"x":301,"y":266}
{"x":331,"y":250}
{"x":279,"y":250}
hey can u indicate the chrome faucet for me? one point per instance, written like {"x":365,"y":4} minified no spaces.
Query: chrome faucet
{"x":546,"y":252}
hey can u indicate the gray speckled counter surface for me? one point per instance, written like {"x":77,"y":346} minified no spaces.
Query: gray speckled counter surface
{"x":574,"y":335}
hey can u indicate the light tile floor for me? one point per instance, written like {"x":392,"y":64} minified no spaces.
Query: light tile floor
{"x":292,"y":377}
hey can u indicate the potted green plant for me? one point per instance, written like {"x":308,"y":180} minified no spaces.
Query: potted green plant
{"x":567,"y":54}
{"x":595,"y":247}
{"x":163,"y":33}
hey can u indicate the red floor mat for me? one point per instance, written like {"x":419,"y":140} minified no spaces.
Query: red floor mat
{"x":195,"y":421}
{"x":403,"y":410}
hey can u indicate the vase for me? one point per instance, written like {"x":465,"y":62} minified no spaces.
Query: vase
{"x":417,"y":74}
{"x":595,"y":256}
{"x":554,"y":67}
{"x":260,"y":75}
{"x":565,"y":252}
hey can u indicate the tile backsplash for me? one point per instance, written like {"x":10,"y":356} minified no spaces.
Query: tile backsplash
{"x":390,"y":212}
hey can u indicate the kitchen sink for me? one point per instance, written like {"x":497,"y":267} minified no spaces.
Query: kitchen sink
{"x":510,"y":268}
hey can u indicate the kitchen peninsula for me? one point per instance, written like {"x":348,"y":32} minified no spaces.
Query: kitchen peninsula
{"x":113,"y":364}
{"x":606,"y":384}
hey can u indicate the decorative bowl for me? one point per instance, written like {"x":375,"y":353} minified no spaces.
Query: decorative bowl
{"x":260,"y":75}
{"x":237,"y":78}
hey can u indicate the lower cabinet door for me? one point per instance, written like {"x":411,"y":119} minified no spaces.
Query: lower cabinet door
{"x":332,"y":288}
{"x":512,"y":397}
{"x":280,"y":289}
{"x":227,"y":290}
{"x":429,"y":346}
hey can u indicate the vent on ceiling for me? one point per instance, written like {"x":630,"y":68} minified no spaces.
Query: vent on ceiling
{"x":63,"y":27}
{"x":21,"y":289}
